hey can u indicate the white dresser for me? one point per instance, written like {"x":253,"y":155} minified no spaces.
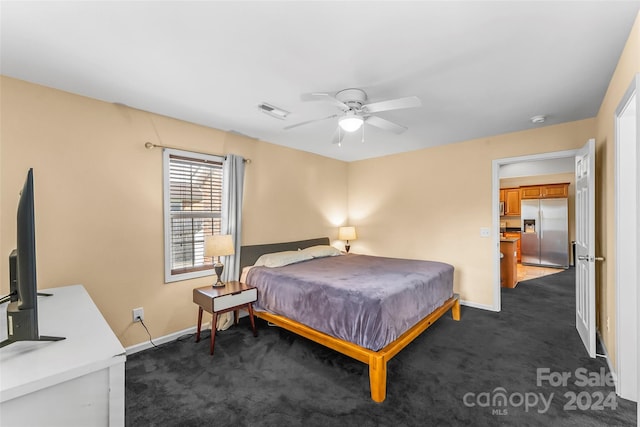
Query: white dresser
{"x":78,"y":381}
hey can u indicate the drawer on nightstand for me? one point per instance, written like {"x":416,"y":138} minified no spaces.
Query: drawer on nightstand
{"x":232,"y":300}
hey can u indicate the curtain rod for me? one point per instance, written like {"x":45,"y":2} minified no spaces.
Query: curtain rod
{"x":150,"y":145}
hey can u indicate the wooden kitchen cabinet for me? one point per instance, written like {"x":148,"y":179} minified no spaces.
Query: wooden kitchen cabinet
{"x":508,"y":266}
{"x":555,"y":191}
{"x":512,"y":201}
{"x":531,"y":192}
{"x":515,"y":235}
{"x":549,"y":191}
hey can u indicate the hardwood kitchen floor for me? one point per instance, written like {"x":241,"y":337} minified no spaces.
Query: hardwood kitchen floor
{"x":526,"y":272}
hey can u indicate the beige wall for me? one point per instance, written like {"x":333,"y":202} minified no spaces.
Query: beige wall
{"x":555,"y":178}
{"x":99,"y":218}
{"x":628,"y":66}
{"x":431,"y":204}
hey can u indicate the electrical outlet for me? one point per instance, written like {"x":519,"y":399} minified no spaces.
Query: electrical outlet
{"x":485,"y":232}
{"x":138,"y":314}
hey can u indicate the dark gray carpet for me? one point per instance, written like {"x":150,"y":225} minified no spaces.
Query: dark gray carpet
{"x":279,"y":379}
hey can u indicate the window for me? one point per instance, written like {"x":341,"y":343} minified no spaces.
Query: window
{"x":192,"y":210}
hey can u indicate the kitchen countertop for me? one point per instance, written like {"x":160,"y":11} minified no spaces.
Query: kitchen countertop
{"x":509,"y":239}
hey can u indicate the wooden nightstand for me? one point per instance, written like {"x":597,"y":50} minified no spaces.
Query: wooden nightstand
{"x":231,"y":297}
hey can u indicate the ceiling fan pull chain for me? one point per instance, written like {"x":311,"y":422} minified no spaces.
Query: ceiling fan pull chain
{"x":362,"y":133}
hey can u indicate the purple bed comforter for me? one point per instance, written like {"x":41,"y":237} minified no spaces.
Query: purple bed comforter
{"x":366,"y":300}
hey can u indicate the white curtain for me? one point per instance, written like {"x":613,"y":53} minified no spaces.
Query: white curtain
{"x":232,"y":190}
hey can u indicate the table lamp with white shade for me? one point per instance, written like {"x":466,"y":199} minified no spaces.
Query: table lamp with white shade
{"x":217,"y":246}
{"x":347,"y":233}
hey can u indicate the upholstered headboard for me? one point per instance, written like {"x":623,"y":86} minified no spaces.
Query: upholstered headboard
{"x":250,"y":254}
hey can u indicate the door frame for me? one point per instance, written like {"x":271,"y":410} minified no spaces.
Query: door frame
{"x":626,"y":211}
{"x":495,"y":198}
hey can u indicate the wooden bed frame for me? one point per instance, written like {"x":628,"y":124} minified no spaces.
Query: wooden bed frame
{"x":377,"y":360}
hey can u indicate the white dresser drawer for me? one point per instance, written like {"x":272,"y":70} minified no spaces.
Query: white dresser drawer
{"x":232,"y":300}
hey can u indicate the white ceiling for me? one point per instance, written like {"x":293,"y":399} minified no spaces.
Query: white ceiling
{"x":480,"y":68}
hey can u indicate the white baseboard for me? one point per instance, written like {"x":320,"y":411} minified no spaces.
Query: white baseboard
{"x":476,"y":305}
{"x":164,"y":339}
{"x":173,"y":336}
{"x":606,"y":356}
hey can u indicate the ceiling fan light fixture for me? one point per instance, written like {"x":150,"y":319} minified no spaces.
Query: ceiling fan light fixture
{"x":350,"y":123}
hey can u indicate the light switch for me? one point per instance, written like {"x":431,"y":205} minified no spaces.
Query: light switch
{"x":484,"y":232}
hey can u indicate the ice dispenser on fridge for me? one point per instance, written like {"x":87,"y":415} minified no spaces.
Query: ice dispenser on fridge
{"x":529,"y":225}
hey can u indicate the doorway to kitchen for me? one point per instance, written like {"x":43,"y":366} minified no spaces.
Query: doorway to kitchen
{"x":515,"y":172}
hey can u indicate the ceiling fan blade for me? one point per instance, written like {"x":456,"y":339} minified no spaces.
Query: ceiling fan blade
{"x":310,"y":121}
{"x":392,"y":104}
{"x":385,"y":124}
{"x":322,"y":96}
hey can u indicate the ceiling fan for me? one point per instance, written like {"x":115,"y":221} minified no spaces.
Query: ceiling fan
{"x":355,"y":111}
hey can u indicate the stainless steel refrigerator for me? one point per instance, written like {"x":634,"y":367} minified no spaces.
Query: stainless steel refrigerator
{"x":545,"y":232}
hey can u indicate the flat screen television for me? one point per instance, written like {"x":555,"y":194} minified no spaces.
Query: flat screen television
{"x":22,"y":311}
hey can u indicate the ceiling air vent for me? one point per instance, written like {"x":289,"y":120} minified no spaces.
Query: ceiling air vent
{"x":536,"y":120}
{"x":273,"y":111}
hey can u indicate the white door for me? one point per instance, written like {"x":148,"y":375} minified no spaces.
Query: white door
{"x":627,"y":213}
{"x":585,"y":246}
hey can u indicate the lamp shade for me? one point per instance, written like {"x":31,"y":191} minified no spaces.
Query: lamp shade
{"x":218,"y":245}
{"x":347,"y":233}
{"x":350,"y":123}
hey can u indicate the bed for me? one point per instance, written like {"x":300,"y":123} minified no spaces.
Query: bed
{"x":368,"y":308}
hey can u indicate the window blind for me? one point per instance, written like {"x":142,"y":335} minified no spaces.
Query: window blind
{"x":195,"y":197}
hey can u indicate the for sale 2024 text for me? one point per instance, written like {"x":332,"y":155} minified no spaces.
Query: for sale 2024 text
{"x":583,"y":400}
